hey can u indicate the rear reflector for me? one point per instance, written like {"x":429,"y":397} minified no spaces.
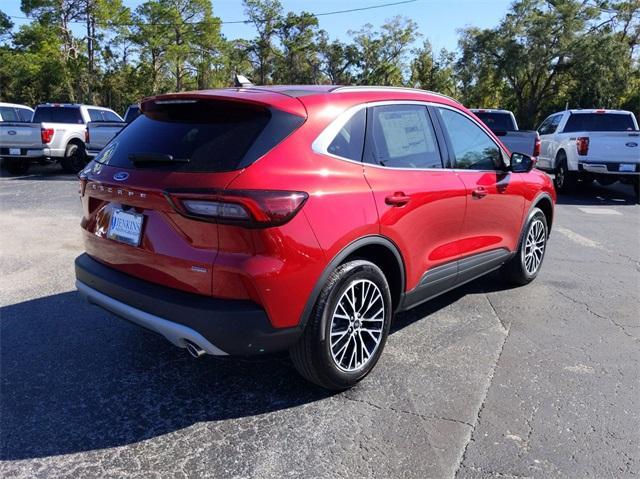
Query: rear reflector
{"x":46,"y":135}
{"x":249,"y":208}
{"x":582,"y":143}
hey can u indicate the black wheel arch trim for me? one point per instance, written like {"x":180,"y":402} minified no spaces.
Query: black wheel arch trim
{"x":534,"y":204}
{"x":339,"y":258}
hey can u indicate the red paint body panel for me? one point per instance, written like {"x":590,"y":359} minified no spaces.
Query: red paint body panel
{"x":278,"y":267}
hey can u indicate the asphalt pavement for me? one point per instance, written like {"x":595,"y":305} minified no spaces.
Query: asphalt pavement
{"x":487,"y":381}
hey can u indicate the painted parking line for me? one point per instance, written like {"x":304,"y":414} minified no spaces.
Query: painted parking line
{"x":600,"y":211}
{"x":577,"y":238}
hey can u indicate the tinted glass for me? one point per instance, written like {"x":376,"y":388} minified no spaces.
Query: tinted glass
{"x":94,"y":115}
{"x":544,"y":127}
{"x":133,"y":112}
{"x":202,"y":137}
{"x":402,"y":136}
{"x":8,"y":113}
{"x":24,"y":114}
{"x":599,"y":122}
{"x":497,"y":121}
{"x":349,"y":141}
{"x":110,"y":116}
{"x":57,"y":114}
{"x":473,"y":149}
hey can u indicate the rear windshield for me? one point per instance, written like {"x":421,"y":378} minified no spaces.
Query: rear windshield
{"x":599,"y":122}
{"x":8,"y":113}
{"x":204,"y":136}
{"x":497,"y":121}
{"x":133,"y":112}
{"x":57,"y":114}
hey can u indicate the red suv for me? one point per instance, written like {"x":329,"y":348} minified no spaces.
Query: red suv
{"x":251,"y":220}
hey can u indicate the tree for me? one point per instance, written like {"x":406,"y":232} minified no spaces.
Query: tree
{"x":337,"y":60}
{"x":265,"y":15}
{"x":298,"y":62}
{"x":430,"y":73}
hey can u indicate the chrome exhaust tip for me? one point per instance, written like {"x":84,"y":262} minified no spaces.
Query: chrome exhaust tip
{"x":194,"y":350}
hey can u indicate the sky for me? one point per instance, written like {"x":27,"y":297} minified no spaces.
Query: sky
{"x":438,"y":20}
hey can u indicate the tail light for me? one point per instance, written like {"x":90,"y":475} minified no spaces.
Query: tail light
{"x":582,"y":142}
{"x":536,"y":146}
{"x":86,"y":136}
{"x":46,"y":135}
{"x":249,"y":208}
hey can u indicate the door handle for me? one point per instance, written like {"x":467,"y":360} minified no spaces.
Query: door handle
{"x":479,"y":193}
{"x":397,"y":199}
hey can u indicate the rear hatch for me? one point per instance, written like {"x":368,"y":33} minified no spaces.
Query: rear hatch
{"x":187,"y":145}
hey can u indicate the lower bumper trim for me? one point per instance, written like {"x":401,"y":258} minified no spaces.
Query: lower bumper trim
{"x":174,"y":332}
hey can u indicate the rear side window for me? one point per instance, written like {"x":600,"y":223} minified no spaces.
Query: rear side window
{"x":599,"y":122}
{"x":349,"y":141}
{"x":473,"y":149}
{"x":94,"y":114}
{"x":203,"y":136}
{"x":8,"y":113}
{"x":133,"y":112}
{"x":24,"y":114}
{"x":402,"y":136}
{"x":497,"y":121}
{"x":57,"y":114}
{"x":110,"y":116}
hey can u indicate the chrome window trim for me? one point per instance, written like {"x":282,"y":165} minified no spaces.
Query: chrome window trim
{"x":324,"y":139}
{"x":351,"y":89}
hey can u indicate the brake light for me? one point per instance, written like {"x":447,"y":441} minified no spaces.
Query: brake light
{"x":46,"y":135}
{"x":250,"y":208}
{"x":86,"y":136}
{"x":582,"y":142}
{"x":536,"y":146}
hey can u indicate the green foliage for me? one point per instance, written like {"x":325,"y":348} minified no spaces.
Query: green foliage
{"x":542,"y":55}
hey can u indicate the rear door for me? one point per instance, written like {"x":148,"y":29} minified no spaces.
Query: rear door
{"x":495,"y":197}
{"x":547,"y":131}
{"x":134,"y":218}
{"x":420,"y":204}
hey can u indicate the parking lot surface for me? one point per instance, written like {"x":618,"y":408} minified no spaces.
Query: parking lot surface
{"x":486,"y":381}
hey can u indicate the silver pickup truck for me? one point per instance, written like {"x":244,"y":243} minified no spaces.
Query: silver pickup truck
{"x":503,"y":124}
{"x":56,"y":133}
{"x":100,"y":133}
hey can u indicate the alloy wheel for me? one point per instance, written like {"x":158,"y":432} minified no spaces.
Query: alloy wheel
{"x":356,"y":325}
{"x":534,"y":246}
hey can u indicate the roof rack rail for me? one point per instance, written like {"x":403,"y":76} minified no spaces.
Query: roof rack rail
{"x":390,"y":88}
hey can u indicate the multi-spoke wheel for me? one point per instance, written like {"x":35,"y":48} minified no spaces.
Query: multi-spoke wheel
{"x":534,"y":246}
{"x":525,"y":265}
{"x":356,"y":325}
{"x":348,"y":328}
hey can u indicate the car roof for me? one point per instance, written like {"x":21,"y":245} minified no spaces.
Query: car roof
{"x":489,"y":110}
{"x":73,"y":105}
{"x":16,"y":105}
{"x":596,"y":110}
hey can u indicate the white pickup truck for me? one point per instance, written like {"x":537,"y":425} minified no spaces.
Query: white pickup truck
{"x":56,"y":133}
{"x":503,"y":124}
{"x":586,"y":145}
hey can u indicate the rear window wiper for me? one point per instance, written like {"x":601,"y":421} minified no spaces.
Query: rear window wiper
{"x":155,"y":158}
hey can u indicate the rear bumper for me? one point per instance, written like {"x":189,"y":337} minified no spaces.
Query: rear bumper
{"x":608,"y":168}
{"x":25,"y":153}
{"x":218,"y":326}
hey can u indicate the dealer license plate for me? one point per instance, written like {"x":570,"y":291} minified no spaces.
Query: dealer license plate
{"x":125,"y":227}
{"x":627,"y":167}
{"x":14,"y":151}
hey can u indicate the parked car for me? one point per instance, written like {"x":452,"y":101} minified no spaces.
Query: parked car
{"x":101,"y":133}
{"x":57,"y":134}
{"x":15,"y":112}
{"x":247,"y":221}
{"x":503,"y":124}
{"x":587,"y":145}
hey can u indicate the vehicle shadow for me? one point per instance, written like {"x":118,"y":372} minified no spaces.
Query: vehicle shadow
{"x":595,"y":194}
{"x":38,"y":172}
{"x":75,"y":378}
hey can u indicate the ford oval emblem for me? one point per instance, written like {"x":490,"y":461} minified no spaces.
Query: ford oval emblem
{"x":632,"y":144}
{"x":12,"y":132}
{"x":121,"y":176}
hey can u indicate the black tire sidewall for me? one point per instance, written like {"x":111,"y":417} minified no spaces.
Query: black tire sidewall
{"x":347,"y":274}
{"x":74,"y":158}
{"x":536,"y":214}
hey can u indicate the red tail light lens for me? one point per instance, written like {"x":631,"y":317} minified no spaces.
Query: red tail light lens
{"x":250,"y":208}
{"x":46,"y":135}
{"x":536,"y":146}
{"x":582,"y":142}
{"x":86,"y":135}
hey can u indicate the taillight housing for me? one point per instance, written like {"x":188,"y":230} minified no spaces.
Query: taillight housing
{"x":536,"y":146}
{"x":46,"y":135}
{"x":582,"y":143}
{"x":248,"y":208}
{"x":86,"y":136}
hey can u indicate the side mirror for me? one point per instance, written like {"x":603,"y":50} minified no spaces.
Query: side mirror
{"x":521,"y":163}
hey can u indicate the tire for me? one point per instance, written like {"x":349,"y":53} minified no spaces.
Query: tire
{"x":75,"y":158}
{"x":520,"y":270}
{"x":16,"y":167}
{"x":565,"y":180}
{"x":331,"y":361}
